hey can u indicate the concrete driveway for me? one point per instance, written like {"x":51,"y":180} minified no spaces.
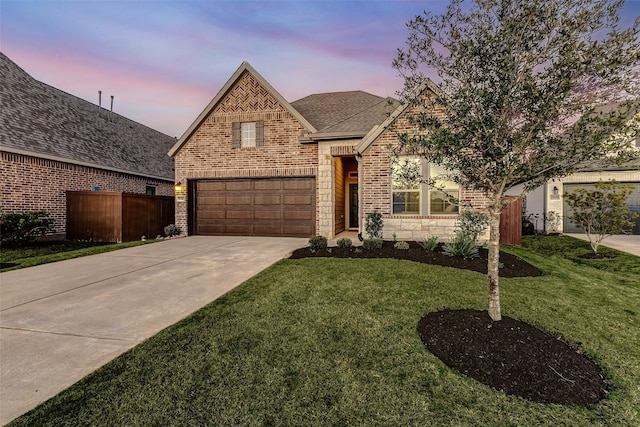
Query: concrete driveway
{"x":60,"y":322}
{"x":622,"y":242}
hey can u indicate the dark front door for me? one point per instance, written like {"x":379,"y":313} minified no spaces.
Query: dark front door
{"x":353,"y":205}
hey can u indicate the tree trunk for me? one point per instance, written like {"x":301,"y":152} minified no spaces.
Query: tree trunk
{"x":494,"y":262}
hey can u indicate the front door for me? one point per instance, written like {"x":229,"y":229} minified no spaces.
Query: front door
{"x":353,"y":205}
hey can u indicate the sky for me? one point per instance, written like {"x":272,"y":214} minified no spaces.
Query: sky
{"x":163,"y":61}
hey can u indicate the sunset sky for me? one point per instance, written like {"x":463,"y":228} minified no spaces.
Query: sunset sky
{"x":165,"y":60}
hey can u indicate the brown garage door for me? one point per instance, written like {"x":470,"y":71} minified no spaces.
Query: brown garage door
{"x":255,"y":207}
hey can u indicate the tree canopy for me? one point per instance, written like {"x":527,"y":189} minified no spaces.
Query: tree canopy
{"x":531,"y":90}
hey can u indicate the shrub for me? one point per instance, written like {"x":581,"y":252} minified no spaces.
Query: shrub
{"x":19,"y":229}
{"x":317,"y":243}
{"x":373,"y":225}
{"x":602,"y":211}
{"x":373,"y":243}
{"x":429,"y":244}
{"x":345,"y":242}
{"x":473,"y":223}
{"x":171,"y":230}
{"x":462,"y":245}
{"x":401,"y":245}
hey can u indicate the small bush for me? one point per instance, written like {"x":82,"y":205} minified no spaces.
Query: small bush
{"x":403,"y":246}
{"x":462,"y":245}
{"x":429,"y":244}
{"x":473,"y":223}
{"x":373,"y":225}
{"x":345,"y":242}
{"x":20,"y":229}
{"x":317,"y":243}
{"x":373,"y":243}
{"x":171,"y":230}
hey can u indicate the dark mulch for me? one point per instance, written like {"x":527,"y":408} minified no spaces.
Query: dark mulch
{"x":7,"y":265}
{"x":512,"y":356}
{"x":512,"y":266}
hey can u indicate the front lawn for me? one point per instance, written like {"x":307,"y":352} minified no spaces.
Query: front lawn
{"x":334,"y":342}
{"x":46,"y":252}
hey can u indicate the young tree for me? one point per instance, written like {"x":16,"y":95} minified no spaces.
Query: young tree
{"x":520,"y":83}
{"x":601,"y":212}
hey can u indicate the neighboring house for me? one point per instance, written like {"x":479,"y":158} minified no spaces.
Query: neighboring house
{"x":51,"y":142}
{"x":547,"y":201}
{"x":254,"y":164}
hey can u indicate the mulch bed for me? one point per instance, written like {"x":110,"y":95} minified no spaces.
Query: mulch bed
{"x":512,"y":356}
{"x":512,"y":266}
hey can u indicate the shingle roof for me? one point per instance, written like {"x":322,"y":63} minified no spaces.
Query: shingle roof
{"x":40,"y":119}
{"x":354,"y":112}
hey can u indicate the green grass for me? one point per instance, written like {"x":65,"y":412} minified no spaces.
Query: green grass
{"x":320,"y":342}
{"x":43,"y":253}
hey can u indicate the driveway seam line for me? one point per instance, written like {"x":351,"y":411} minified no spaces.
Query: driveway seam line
{"x":113,"y":277}
{"x":69,"y":335}
{"x":87,"y":285}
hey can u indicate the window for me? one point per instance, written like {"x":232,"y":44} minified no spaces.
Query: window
{"x":151,"y":190}
{"x":406,"y":179}
{"x":411,"y":195}
{"x":248,"y":134}
{"x":444,"y":194}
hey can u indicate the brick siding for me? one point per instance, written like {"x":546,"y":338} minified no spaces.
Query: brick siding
{"x":31,"y":183}
{"x":376,"y":192}
{"x":208,"y":153}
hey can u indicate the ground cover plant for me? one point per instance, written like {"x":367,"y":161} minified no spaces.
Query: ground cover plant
{"x":46,"y":252}
{"x":326,"y":341}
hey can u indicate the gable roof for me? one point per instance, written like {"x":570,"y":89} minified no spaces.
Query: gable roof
{"x":244,"y":67}
{"x":41,"y":121}
{"x":376,"y":131}
{"x":344,"y":114}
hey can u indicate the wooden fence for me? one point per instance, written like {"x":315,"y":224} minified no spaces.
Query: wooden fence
{"x":511,"y":224}
{"x":105,"y":216}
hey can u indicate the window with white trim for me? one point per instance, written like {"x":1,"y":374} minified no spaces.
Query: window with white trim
{"x":411,"y":195}
{"x":248,"y":134}
{"x":406,"y":180}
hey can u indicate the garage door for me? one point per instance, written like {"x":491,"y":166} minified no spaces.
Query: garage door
{"x":633,"y":201}
{"x":255,"y":207}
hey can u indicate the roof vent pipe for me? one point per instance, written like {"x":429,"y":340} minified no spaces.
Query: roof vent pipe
{"x":99,"y":102}
{"x":111,"y":112}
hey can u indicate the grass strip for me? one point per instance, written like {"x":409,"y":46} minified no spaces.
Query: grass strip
{"x":58,"y":251}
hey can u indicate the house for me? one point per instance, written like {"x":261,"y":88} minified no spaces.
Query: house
{"x":52,"y":142}
{"x":253,"y":163}
{"x":546,"y":202}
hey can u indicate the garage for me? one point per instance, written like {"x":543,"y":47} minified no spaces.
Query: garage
{"x":633,"y":201}
{"x":253,"y":207}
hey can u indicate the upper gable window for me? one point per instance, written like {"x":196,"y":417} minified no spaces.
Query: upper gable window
{"x":248,"y":134}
